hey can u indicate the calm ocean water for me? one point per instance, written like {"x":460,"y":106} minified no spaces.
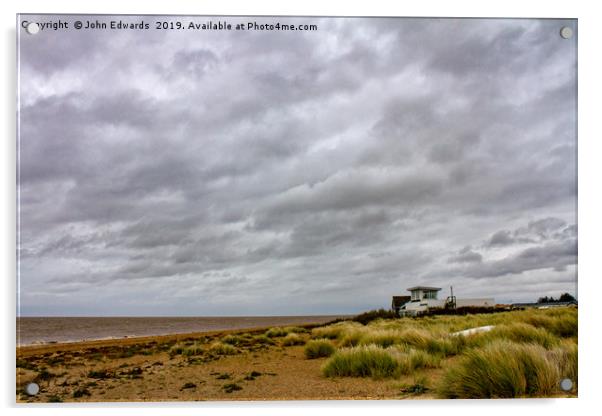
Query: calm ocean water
{"x":63,"y":329}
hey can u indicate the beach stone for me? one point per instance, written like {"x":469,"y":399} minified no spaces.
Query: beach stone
{"x":32,"y":389}
{"x":566,"y":384}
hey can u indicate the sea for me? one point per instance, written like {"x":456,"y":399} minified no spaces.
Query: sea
{"x":49,"y":330}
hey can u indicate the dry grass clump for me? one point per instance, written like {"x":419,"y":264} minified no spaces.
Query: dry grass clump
{"x":284,"y":331}
{"x":566,"y":358}
{"x":561,"y":322}
{"x":334,"y":331}
{"x":177,"y":349}
{"x":565,"y":326}
{"x":318,"y":348}
{"x":447,"y":346}
{"x":352,"y":337}
{"x":524,"y":355}
{"x":382,"y":338}
{"x":292,"y":339}
{"x":276,"y":332}
{"x":361,"y":361}
{"x":296,"y":329}
{"x":517,"y":332}
{"x":418,"y":338}
{"x":502,"y":369}
{"x":370,"y":316}
{"x":195,"y":349}
{"x":410,"y":359}
{"x":431,"y":341}
{"x":263,"y":339}
{"x":233,"y":339}
{"x":222,"y":349}
{"x":375,"y":361}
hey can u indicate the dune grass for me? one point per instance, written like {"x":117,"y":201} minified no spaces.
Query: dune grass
{"x":566,"y":357}
{"x":284,"y":331}
{"x":263,"y":339}
{"x":276,"y":332}
{"x":177,"y":349}
{"x":361,"y":361}
{"x":195,"y":349}
{"x":292,"y":339}
{"x":220,"y":348}
{"x":233,"y":339}
{"x":518,"y":332}
{"x":375,"y":361}
{"x":410,"y":359}
{"x":524,"y":355}
{"x":502,"y":369}
{"x":335,"y":331}
{"x":318,"y":348}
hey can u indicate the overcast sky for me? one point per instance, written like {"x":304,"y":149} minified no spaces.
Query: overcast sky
{"x":272,"y":173}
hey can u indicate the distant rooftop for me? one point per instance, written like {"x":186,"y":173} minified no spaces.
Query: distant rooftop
{"x":423,"y":288}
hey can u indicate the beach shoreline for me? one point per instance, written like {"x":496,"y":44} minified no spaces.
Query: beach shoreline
{"x":64,"y":330}
{"x":54,"y":347}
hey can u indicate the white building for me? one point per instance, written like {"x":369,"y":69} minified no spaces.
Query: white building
{"x":425,"y":297}
{"x":422,"y":298}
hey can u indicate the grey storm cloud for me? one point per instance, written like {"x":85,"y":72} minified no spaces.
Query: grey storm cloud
{"x":321,"y":171}
{"x":555,"y":256}
{"x":466,"y":255}
{"x":501,"y":238}
{"x":555,"y":251}
{"x":535,"y":231}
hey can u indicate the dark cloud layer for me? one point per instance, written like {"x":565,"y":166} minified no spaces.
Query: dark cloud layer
{"x":234,"y":173}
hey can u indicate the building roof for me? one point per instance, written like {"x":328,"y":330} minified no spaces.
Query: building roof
{"x":424,"y":288}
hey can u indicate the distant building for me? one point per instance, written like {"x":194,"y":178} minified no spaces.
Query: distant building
{"x":423,"y":298}
{"x":544,"y":305}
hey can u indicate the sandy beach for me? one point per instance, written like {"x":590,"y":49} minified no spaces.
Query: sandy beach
{"x":142,"y":369}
